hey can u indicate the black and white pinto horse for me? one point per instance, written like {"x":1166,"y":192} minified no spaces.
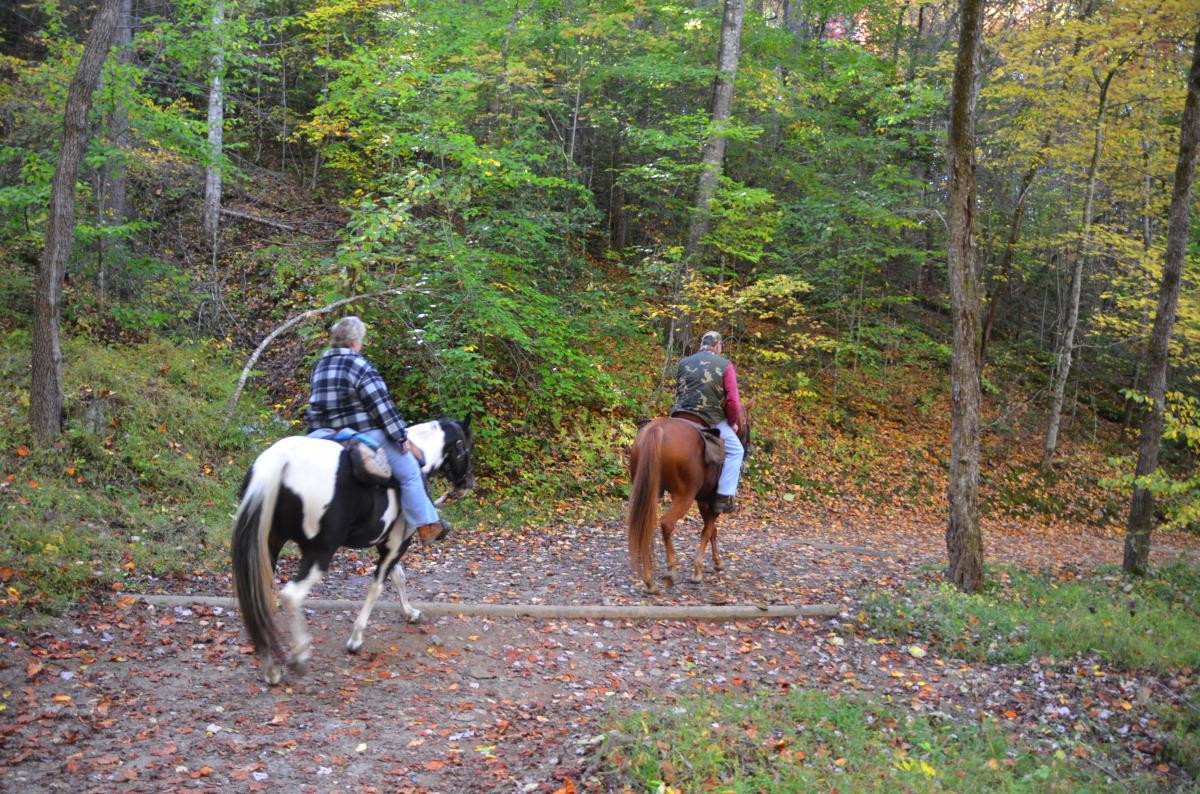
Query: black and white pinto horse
{"x":304,"y":490}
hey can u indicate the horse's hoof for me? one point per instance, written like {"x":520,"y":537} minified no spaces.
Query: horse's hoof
{"x":272,"y":672}
{"x":298,"y":661}
{"x":652,"y":588}
{"x":416,"y":616}
{"x":718,"y":566}
{"x":354,"y":644}
{"x":669,"y":580}
{"x":696,"y":578}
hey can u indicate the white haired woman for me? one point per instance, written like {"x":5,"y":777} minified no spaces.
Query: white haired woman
{"x":347,"y":392}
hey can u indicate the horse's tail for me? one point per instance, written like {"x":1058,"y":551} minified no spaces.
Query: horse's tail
{"x":253,"y":573}
{"x":643,"y":498}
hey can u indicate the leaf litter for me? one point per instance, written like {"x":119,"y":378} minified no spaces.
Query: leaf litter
{"x":122,"y":693}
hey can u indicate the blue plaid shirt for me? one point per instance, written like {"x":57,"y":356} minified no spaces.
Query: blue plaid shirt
{"x":348,"y":392}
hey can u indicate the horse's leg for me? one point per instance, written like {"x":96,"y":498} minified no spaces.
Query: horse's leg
{"x":389,"y":555}
{"x":679,"y":506}
{"x":411,"y":613}
{"x":275,"y":543}
{"x":708,"y":534}
{"x":312,"y":568}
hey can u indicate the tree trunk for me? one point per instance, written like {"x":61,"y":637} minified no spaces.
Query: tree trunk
{"x":996,"y":300}
{"x":46,"y":390}
{"x":964,"y":541}
{"x":114,"y":205}
{"x":1141,"y":510}
{"x":714,"y":151}
{"x":1062,"y":370}
{"x":618,"y":235}
{"x":216,"y":124}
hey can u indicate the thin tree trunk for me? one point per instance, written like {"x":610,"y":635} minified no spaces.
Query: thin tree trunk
{"x":46,"y":389}
{"x":1141,"y":510}
{"x":964,"y":541}
{"x":714,"y":151}
{"x":114,"y":206}
{"x":1062,"y":370}
{"x":502,"y":90}
{"x":1146,"y":236}
{"x":914,"y":53}
{"x":1010,"y":244}
{"x":618,"y":236}
{"x":216,"y":124}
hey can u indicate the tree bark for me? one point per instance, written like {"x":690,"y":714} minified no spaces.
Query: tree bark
{"x":216,"y":126}
{"x":46,"y":389}
{"x":1062,"y":369}
{"x":1141,"y":509}
{"x":714,"y":151}
{"x":964,"y":541}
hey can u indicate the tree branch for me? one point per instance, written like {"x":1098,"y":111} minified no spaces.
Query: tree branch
{"x":255,"y":219}
{"x":299,"y":318}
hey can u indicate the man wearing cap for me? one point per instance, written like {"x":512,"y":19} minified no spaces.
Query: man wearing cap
{"x":706,"y":388}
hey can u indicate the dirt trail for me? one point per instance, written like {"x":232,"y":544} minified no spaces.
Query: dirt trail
{"x":121,"y":694}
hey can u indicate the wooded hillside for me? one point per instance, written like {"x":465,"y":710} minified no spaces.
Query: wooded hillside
{"x":953,"y":251}
{"x":562,"y":196}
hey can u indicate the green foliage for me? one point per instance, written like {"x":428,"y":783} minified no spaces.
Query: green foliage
{"x":1132,"y":625}
{"x":809,"y":741}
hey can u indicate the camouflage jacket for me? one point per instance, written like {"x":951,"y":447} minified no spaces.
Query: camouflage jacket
{"x":700,"y":386}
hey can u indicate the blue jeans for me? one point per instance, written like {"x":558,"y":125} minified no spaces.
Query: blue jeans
{"x":734,"y":452}
{"x":414,"y":501}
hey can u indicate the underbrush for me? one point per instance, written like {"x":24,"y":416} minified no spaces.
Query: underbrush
{"x":811,"y":741}
{"x":1151,"y":623}
{"x":143,"y":478}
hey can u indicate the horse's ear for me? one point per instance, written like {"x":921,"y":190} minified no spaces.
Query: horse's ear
{"x":748,"y":402}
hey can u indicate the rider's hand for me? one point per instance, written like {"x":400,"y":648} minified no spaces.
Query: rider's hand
{"x":406,"y":447}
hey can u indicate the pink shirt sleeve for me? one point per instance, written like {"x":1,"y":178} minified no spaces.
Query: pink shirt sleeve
{"x":733,"y":403}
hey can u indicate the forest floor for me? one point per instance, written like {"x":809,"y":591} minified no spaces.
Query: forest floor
{"x":121,"y":694}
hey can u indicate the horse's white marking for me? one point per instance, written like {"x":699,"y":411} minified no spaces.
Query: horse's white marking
{"x":293,"y":595}
{"x":314,"y":481}
{"x":431,"y":440}
{"x":360,"y":625}
{"x":413,"y":615}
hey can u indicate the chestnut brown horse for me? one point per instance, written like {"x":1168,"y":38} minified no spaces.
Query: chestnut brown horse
{"x":668,"y":455}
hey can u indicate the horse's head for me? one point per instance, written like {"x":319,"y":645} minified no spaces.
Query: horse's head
{"x":457,"y":454}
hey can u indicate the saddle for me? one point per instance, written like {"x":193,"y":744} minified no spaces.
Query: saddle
{"x":714,"y":445}
{"x":368,"y":461}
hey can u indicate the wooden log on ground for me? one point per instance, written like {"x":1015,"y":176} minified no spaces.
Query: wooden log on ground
{"x":715,"y":612}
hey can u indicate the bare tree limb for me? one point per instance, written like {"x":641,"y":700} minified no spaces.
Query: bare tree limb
{"x":299,"y":318}
{"x":245,"y":216}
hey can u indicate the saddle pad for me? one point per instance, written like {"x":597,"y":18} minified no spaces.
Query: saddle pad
{"x":368,"y":460}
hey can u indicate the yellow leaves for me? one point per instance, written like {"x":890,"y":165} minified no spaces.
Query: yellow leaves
{"x":924,"y":769}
